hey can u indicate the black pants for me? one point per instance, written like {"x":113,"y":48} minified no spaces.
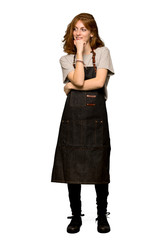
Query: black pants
{"x":102,"y":192}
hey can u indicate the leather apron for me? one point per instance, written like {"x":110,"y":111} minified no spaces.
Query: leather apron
{"x":82,"y":153}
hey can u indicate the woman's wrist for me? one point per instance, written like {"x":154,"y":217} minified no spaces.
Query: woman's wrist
{"x":71,"y":86}
{"x":79,"y":55}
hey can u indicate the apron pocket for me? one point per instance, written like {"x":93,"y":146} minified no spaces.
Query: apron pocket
{"x":81,"y":133}
{"x":93,"y":133}
{"x":75,"y":133}
{"x":99,"y":130}
{"x":91,"y":99}
{"x":71,"y":132}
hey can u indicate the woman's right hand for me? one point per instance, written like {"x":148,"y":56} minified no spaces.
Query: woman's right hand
{"x":67,"y":88}
{"x":80,"y":45}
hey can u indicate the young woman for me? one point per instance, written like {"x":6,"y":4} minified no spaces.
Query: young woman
{"x":82,"y":153}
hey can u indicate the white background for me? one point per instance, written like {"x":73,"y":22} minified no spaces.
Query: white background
{"x":31,"y":104}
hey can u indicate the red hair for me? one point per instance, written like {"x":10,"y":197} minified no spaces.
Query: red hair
{"x":90,"y":23}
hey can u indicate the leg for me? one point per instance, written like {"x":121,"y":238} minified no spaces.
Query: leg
{"x":102,"y":194}
{"x":74,"y":193}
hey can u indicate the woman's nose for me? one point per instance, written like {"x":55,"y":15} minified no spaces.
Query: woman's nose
{"x":78,"y":32}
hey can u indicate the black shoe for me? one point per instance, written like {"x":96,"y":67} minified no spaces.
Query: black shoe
{"x":103,"y":225}
{"x":75,"y":224}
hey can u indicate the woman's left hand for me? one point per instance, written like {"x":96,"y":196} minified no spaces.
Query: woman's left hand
{"x":67,"y":88}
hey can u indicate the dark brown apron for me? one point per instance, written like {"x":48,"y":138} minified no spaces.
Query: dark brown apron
{"x":82,"y":153}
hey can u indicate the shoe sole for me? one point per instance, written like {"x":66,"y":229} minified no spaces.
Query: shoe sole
{"x":72,"y":232}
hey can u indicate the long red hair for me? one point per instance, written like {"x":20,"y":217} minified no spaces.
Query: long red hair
{"x":90,"y":23}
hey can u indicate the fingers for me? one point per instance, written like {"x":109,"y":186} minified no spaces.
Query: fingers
{"x":79,"y":42}
{"x":66,"y":90}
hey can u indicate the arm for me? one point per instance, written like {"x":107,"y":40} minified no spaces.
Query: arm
{"x":77,"y":76}
{"x":90,"y":84}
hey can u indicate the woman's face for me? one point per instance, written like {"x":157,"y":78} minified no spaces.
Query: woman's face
{"x":81,"y":32}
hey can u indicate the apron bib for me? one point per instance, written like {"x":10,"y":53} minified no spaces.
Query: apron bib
{"x":82,"y":153}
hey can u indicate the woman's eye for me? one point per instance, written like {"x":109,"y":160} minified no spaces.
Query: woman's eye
{"x":82,"y":29}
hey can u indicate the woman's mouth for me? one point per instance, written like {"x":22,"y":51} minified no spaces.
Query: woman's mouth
{"x":78,"y":38}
